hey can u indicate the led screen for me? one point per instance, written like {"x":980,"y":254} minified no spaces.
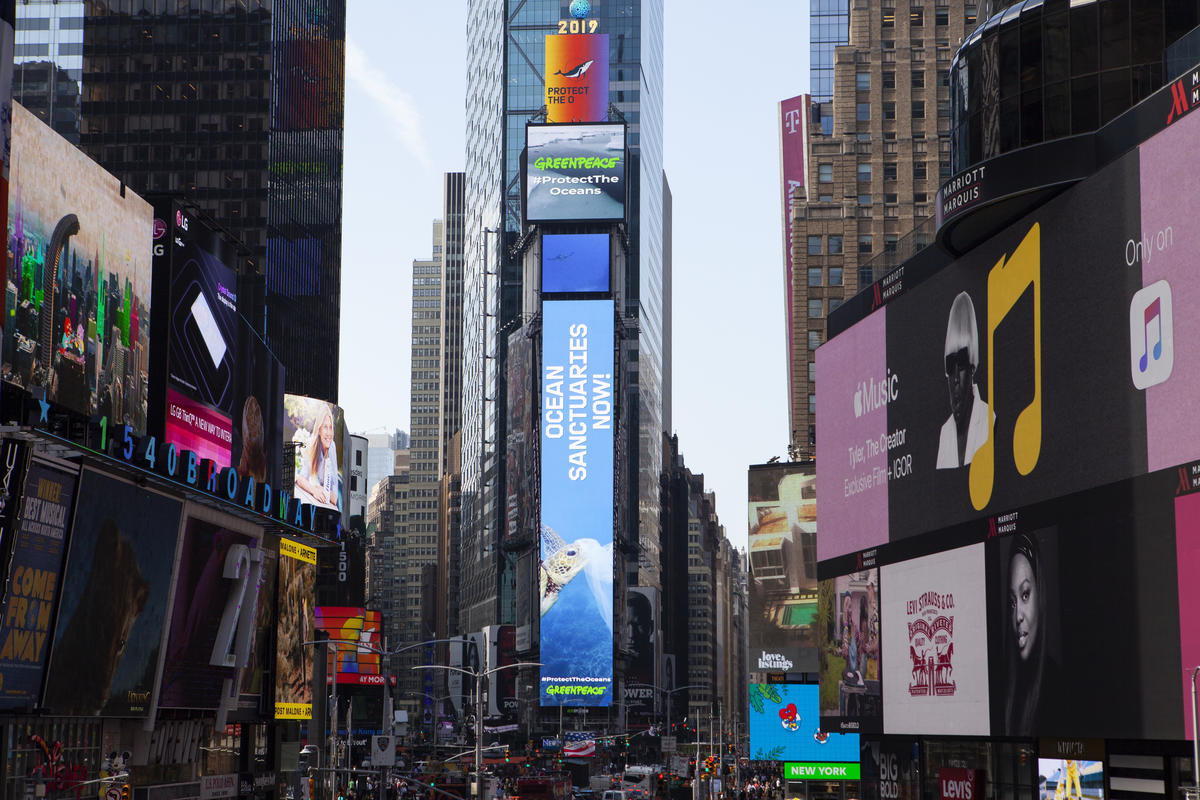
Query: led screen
{"x":935,"y":649}
{"x":576,"y":573}
{"x":848,"y":639}
{"x":114,"y":600}
{"x":297,"y":573}
{"x":785,"y":726}
{"x":575,"y":262}
{"x":78,"y":313}
{"x":577,"y":77}
{"x":33,"y":583}
{"x":521,"y":474}
{"x":782,"y":524}
{"x":220,"y":568}
{"x":575,"y":172}
{"x":355,"y":664}
{"x":642,"y":617}
{"x":1070,"y":779}
{"x":316,"y":430}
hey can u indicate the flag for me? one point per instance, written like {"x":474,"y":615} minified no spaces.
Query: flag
{"x":577,"y":744}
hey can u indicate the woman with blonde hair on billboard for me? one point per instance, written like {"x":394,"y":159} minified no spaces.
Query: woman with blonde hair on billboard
{"x":317,"y":480}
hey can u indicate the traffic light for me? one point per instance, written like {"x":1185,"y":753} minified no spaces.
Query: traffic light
{"x":126,"y":791}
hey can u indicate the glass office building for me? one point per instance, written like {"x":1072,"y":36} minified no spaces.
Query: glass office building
{"x":505,"y":90}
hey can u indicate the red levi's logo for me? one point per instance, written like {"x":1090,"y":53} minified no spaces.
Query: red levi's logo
{"x":957,"y":784}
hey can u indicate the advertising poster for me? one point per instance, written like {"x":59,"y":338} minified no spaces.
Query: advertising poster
{"x":1062,"y":778}
{"x":33,"y":583}
{"x":575,"y":262}
{"x":577,"y":77}
{"x":521,"y":467}
{"x":849,"y":646}
{"x":785,"y":726}
{"x":974,"y":405}
{"x":355,"y":664}
{"x":890,"y":769}
{"x":316,"y":428}
{"x":576,"y":571}
{"x":793,"y":164}
{"x":114,"y":600}
{"x":262,"y":648}
{"x":79,"y":263}
{"x":935,"y":658}
{"x":782,"y":521}
{"x":310,"y":89}
{"x":575,"y":172}
{"x":257,"y":445}
{"x":297,"y":573}
{"x":641,"y":615}
{"x":1057,"y":597}
{"x":203,"y":641}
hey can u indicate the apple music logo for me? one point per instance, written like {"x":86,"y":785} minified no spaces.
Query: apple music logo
{"x":872,"y":395}
{"x":1151,"y":341}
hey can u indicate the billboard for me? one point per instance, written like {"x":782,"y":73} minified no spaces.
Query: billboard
{"x":216,"y":588}
{"x":575,"y":262}
{"x":27,"y":613}
{"x":890,"y":769}
{"x":576,"y":571}
{"x":848,"y":640}
{"x":577,"y":77}
{"x":935,"y":649}
{"x":355,"y":664}
{"x":642,"y":611}
{"x":112,"y":614}
{"x":793,"y":164}
{"x":297,"y":574}
{"x":575,"y":173}
{"x":79,"y":272}
{"x":310,"y":90}
{"x":1070,"y":778}
{"x":782,"y":545}
{"x":316,"y":429}
{"x":520,"y":466}
{"x":785,"y":726}
{"x":258,"y":411}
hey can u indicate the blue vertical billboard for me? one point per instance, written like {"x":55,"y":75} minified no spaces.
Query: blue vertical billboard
{"x":576,"y":573}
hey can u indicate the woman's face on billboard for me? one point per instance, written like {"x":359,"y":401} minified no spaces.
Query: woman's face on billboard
{"x":326,"y":432}
{"x":1023,"y":604}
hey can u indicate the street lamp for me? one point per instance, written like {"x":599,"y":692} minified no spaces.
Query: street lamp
{"x":435,"y":701}
{"x":479,"y":675}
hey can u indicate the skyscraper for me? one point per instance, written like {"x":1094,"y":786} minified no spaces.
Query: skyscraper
{"x":237,"y":105}
{"x":878,"y":147}
{"x":505,"y":87}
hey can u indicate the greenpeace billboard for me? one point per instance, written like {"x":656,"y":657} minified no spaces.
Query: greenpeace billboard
{"x":576,"y":573}
{"x":577,"y":77}
{"x":575,"y":173}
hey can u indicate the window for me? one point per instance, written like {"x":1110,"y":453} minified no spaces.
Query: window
{"x":814,"y":276}
{"x":864,"y":172}
{"x":358,"y":458}
{"x":972,"y":14}
{"x":825,"y":173}
{"x":814,"y":245}
{"x":891,"y":197}
{"x":916,"y":17}
{"x":812,"y":368}
{"x":864,"y":199}
{"x":814,"y":309}
{"x":918,"y":79}
{"x":814,"y":340}
{"x":862,"y":112}
{"x":941,"y":16}
{"x":918,"y":109}
{"x":835,"y":245}
{"x":889,"y":80}
{"x":835,"y":275}
{"x":862,"y":81}
{"x":920,"y":197}
{"x":835,"y":303}
{"x":864,"y":243}
{"x":824,"y":198}
{"x":889,"y":18}
{"x":889,"y":243}
{"x":889,"y":172}
{"x":889,"y":109}
{"x":812,"y":404}
{"x":919,"y":170}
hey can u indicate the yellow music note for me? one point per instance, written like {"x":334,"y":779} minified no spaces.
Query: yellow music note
{"x":1006,"y":284}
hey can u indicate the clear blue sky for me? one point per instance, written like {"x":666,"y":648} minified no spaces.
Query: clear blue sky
{"x":725,"y":74}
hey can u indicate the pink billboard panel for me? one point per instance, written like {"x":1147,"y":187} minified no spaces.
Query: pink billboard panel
{"x":853,"y":390}
{"x":793,"y":159}
{"x":1187,"y":552}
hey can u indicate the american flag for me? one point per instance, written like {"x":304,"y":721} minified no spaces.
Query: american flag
{"x":577,"y":744}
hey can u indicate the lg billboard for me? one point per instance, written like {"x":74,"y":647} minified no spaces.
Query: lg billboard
{"x":576,"y":573}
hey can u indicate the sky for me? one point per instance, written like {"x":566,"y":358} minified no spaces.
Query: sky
{"x":725,"y":74}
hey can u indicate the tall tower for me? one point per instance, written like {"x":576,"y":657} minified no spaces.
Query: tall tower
{"x":243,"y":115}
{"x":878,"y":148}
{"x":505,"y":86}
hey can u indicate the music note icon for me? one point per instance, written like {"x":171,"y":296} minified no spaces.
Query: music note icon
{"x":1151,"y":344}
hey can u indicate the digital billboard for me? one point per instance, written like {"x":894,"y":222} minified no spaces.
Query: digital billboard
{"x":575,"y":262}
{"x":355,"y":664}
{"x":848,"y":641}
{"x":890,"y":769}
{"x":642,"y":611}
{"x":113,"y":610}
{"x":520,"y":465}
{"x":782,"y":545}
{"x":27,"y":614}
{"x":575,"y":173}
{"x":216,"y":595}
{"x":296,"y":579}
{"x":576,"y":572}
{"x":577,"y":77}
{"x":793,"y":165}
{"x":78,"y":314}
{"x":935,"y":648}
{"x":1063,"y":778}
{"x":316,"y":429}
{"x":785,"y":726}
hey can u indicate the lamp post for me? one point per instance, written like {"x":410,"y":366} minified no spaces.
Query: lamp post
{"x":436,"y":700}
{"x":479,"y":675}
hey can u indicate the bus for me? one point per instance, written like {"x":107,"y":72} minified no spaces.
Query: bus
{"x":640,"y":783}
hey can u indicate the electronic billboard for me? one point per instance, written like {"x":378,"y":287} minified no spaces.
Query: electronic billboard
{"x":297,"y":579}
{"x":316,"y":430}
{"x":849,"y":642}
{"x":520,"y":457}
{"x":785,"y":726}
{"x":575,"y":262}
{"x":576,"y":573}
{"x":575,"y":173}
{"x":79,"y":275}
{"x":346,"y":625}
{"x":577,"y":77}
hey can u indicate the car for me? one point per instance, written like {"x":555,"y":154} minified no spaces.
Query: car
{"x":614,"y":794}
